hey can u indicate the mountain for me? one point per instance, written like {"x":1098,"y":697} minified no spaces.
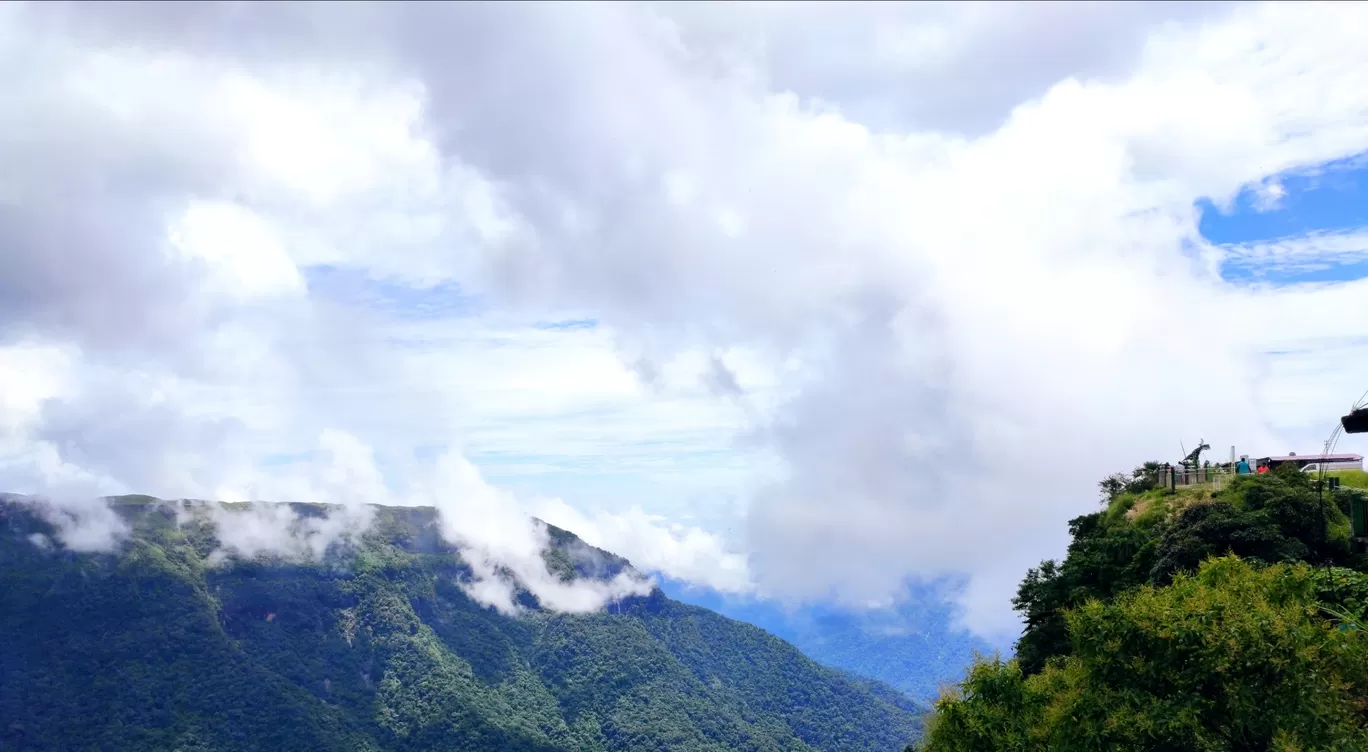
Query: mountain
{"x":913,"y":646}
{"x":1206,"y":619}
{"x":161,"y":646}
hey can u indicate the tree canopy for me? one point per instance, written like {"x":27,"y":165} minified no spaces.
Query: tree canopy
{"x":1199,"y":620}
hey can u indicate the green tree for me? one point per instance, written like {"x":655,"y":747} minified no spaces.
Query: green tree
{"x":1236,"y":657}
{"x":1219,"y":527}
{"x":1147,"y":535}
{"x":996,"y":708}
{"x":1103,"y":558}
{"x":1142,"y":479}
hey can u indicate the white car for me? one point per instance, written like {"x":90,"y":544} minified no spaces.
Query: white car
{"x":1315,"y":467}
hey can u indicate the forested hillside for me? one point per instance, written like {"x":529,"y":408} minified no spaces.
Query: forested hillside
{"x":1190,"y":621}
{"x":913,"y":645}
{"x":378,"y":648}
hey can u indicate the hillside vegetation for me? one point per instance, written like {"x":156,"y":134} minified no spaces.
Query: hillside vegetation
{"x":1352,"y":478}
{"x":1193,"y":621}
{"x":914,"y":645}
{"x":379,"y":648}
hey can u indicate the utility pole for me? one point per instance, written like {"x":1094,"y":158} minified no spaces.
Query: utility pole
{"x":1357,"y":422}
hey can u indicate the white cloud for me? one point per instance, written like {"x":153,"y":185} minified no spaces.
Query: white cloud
{"x":1303,"y":253}
{"x":244,"y":249}
{"x":496,"y":534}
{"x":948,"y":296}
{"x":29,"y":374}
{"x":276,"y":530}
{"x":504,"y":544}
{"x":82,"y":524}
{"x":651,"y":543}
{"x":1269,"y":195}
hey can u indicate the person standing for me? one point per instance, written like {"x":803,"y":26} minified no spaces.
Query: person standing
{"x":1242,"y":467}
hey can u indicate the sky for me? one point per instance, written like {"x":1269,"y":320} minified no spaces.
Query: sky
{"x":804,"y":300}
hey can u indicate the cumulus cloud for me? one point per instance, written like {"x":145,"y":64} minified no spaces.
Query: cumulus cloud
{"x":495,"y":533}
{"x":82,"y":523}
{"x":504,"y":544}
{"x":276,"y":530}
{"x":958,"y":67}
{"x":944,"y":268}
{"x":652,"y":543}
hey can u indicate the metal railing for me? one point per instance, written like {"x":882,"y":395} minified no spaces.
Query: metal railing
{"x":1214,"y":477}
{"x":1217,"y":477}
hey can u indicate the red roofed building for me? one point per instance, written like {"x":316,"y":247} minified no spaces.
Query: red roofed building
{"x":1332,"y":461}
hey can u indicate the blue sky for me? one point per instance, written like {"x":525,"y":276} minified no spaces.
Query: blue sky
{"x":1328,"y":201}
{"x":352,"y":287}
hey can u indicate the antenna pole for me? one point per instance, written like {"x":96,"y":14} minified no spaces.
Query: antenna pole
{"x":1320,"y":499}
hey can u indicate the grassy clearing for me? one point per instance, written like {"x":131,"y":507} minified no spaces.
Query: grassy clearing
{"x":1352,"y":478}
{"x":1150,"y":507}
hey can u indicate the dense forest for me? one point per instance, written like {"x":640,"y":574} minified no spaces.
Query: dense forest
{"x":1196,"y":620}
{"x":157,"y":646}
{"x":914,"y":645}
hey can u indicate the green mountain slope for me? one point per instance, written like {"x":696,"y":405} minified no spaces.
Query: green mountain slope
{"x":1226,"y":621}
{"x":379,"y":648}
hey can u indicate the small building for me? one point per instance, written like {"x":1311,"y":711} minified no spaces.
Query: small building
{"x":1331,"y":461}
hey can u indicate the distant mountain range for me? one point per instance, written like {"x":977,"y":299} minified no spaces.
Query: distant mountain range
{"x":161,"y":646}
{"x":914,"y":646}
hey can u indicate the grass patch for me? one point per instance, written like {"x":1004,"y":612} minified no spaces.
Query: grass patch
{"x":1351,"y":478}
